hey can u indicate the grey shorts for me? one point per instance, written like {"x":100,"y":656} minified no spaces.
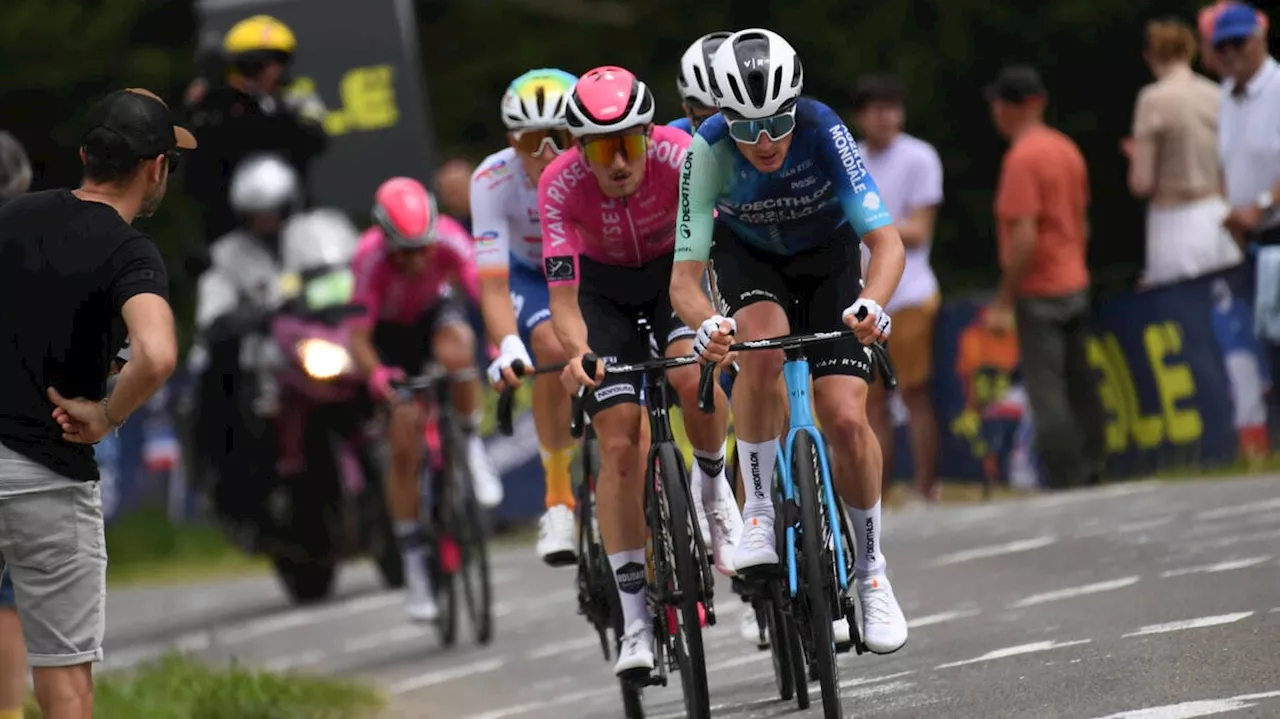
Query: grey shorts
{"x":53,"y":548}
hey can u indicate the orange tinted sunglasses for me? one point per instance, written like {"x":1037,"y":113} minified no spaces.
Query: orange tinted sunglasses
{"x":601,"y":151}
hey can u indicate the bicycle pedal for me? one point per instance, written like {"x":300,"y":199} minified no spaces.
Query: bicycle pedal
{"x":844,"y":647}
{"x":639,"y":677}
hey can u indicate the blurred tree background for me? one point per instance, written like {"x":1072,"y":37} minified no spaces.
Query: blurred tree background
{"x":57,"y":56}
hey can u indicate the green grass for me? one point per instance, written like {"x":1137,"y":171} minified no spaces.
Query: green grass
{"x":143,"y":546}
{"x":175,"y":687}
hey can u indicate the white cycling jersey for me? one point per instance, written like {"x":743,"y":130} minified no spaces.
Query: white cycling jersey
{"x":504,"y":215}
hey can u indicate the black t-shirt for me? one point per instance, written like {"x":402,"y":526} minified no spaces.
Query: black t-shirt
{"x":67,"y":266}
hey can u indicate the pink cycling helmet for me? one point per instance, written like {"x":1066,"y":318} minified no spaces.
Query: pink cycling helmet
{"x":608,"y":99}
{"x":406,"y":212}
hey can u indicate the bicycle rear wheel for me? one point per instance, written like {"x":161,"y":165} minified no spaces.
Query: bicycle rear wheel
{"x":469,"y":532}
{"x":815,"y":573}
{"x":682,"y":524}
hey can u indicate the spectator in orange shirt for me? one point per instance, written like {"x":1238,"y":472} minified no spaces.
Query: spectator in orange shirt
{"x":1042,"y":226}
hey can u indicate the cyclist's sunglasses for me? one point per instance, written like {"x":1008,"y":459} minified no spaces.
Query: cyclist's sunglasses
{"x":602,"y":150}
{"x":748,"y":131}
{"x":534,"y":142}
{"x":1234,"y":43}
{"x":697,"y":112}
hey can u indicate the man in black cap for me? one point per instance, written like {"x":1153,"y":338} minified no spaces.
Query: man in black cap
{"x":78,"y":278}
{"x":1042,"y":203}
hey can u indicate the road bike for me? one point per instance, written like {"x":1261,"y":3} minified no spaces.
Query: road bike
{"x":459,"y":531}
{"x":597,"y":595}
{"x":817,"y":558}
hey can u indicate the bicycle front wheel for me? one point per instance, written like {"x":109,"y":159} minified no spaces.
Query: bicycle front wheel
{"x":815,"y":574}
{"x":682,"y":525}
{"x":470,"y":532}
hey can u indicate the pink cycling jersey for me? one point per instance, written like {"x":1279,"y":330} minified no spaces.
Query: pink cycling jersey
{"x":578,"y":219}
{"x":389,"y":295}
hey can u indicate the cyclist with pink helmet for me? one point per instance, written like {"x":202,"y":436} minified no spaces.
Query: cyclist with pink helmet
{"x":608,"y":214}
{"x":407,"y":269}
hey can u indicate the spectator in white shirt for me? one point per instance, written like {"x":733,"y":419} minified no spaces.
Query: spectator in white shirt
{"x":1249,"y":135}
{"x":909,"y":175}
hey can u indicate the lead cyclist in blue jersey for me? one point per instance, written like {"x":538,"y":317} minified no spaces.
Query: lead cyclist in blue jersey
{"x":793,"y":199}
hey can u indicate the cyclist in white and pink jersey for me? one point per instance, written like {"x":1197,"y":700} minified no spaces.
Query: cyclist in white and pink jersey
{"x":608,"y":211}
{"x":407,"y":270}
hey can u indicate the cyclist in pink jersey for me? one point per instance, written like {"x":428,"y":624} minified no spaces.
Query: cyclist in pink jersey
{"x":608,"y":213}
{"x":407,"y":270}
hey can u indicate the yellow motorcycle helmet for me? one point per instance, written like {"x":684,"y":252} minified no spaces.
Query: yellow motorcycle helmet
{"x":257,"y":40}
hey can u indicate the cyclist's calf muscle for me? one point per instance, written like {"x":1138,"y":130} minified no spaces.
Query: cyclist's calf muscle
{"x":841,"y":404}
{"x":454,"y":346}
{"x":404,"y":435}
{"x":620,"y":489}
{"x":755,"y":394}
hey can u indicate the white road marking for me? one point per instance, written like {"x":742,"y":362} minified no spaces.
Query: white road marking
{"x":1139,"y":526}
{"x":1189,"y":624}
{"x":741,"y":661}
{"x":866,"y":692}
{"x":569,"y":645}
{"x":297,"y":618}
{"x":995,"y":550}
{"x":442,"y":676}
{"x":1072,"y":592}
{"x":1015,"y":651}
{"x":402,"y":633}
{"x":1226,"y":566}
{"x":1201,"y":708}
{"x":293,"y":661}
{"x":561,"y":700}
{"x":862,"y":681}
{"x":1239,"y":509}
{"x":941,"y":618}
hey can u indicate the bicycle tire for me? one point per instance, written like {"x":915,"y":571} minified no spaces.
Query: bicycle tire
{"x":446,"y":589}
{"x":816,"y":575}
{"x":688,"y":573}
{"x":783,"y":678}
{"x":470,"y":532}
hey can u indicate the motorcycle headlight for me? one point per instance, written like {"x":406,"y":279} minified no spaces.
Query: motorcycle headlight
{"x":322,"y":359}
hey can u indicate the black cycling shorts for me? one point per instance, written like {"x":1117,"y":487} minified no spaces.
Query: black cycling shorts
{"x":825,"y":280}
{"x":611,"y":297}
{"x":409,"y":346}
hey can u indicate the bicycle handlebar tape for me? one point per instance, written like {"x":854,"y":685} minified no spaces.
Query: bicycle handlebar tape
{"x":707,"y":388}
{"x":576,"y":423}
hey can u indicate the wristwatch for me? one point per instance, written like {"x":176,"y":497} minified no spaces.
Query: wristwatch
{"x":1266,"y":200}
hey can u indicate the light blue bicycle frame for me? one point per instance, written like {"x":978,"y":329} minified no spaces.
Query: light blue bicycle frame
{"x":795,"y":372}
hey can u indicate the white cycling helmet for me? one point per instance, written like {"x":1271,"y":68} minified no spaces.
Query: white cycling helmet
{"x":265,"y":183}
{"x":608,"y":99}
{"x":536,"y":99}
{"x":756,"y":74}
{"x":694,"y":80}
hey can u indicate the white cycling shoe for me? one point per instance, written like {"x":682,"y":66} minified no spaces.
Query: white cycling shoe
{"x":884,"y":628}
{"x":487,"y":483}
{"x":556,"y":544}
{"x":420,"y":601}
{"x":636,"y":654}
{"x":757,"y":546}
{"x":726,"y":530}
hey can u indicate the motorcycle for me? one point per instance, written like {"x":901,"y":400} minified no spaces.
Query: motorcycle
{"x":315,"y":474}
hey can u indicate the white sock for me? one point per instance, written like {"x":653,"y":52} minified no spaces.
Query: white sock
{"x":757,"y":477}
{"x":413,"y":552}
{"x":708,"y":475}
{"x":629,"y":577}
{"x":866,"y":535}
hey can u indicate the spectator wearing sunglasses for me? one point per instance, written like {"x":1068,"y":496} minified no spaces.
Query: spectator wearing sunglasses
{"x":1249,"y":125}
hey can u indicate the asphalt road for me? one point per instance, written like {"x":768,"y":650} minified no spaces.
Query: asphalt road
{"x":1143,"y":601}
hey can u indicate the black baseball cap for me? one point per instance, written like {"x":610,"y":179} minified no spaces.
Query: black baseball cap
{"x":1016,"y":83}
{"x":141,"y":120}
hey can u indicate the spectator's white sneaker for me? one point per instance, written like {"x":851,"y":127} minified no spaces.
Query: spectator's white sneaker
{"x":752,"y":633}
{"x":758,"y":545}
{"x":636,"y":653}
{"x":884,"y":628}
{"x":488,"y":484}
{"x":726,"y":529}
{"x":555,"y":537}
{"x":420,"y":601}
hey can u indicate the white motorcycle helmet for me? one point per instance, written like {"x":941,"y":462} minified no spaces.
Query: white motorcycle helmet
{"x":318,"y":239}
{"x":694,"y":80}
{"x":265,"y":183}
{"x":756,"y":74}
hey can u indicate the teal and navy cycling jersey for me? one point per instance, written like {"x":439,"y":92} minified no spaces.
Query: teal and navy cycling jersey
{"x":821,"y":185}
{"x":682,"y":123}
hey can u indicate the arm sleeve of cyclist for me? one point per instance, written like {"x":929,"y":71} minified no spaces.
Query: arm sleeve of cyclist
{"x":560,"y":241}
{"x":458,"y":242}
{"x":367,"y":268}
{"x":699,"y":188}
{"x":857,"y":191}
{"x":489,"y":217}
